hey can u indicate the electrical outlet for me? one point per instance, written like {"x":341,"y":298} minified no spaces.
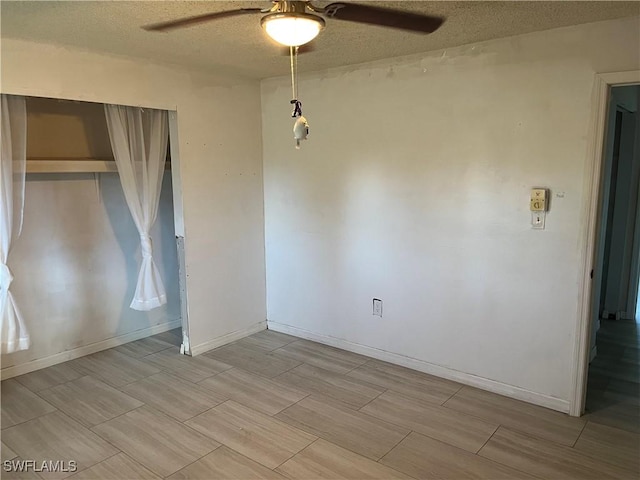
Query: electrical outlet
{"x":377,"y":307}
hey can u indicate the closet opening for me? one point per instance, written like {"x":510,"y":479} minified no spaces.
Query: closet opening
{"x":77,"y":262}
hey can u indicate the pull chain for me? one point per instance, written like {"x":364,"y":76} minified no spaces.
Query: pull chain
{"x":300,"y":127}
{"x":293,"y":74}
{"x":297,"y":109}
{"x":295,"y":66}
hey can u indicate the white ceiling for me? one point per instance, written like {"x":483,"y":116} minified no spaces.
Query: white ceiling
{"x":238,"y":45}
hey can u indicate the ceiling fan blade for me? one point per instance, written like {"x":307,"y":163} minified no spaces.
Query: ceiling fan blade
{"x":187,"y":22}
{"x":384,"y":17}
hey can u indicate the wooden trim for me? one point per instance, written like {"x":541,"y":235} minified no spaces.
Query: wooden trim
{"x":176,"y":178}
{"x":593,"y":185}
{"x":618,"y":79}
{"x":76,"y":165}
{"x":71,"y":166}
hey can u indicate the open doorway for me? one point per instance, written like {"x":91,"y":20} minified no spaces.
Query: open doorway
{"x":613,"y":382}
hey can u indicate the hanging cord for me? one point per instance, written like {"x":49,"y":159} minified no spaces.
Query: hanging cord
{"x":297,"y":109}
{"x":295,"y":66}
{"x":293,"y":74}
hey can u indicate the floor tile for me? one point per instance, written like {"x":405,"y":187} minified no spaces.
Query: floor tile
{"x":143,"y":347}
{"x":615,"y":403}
{"x":172,"y":337}
{"x":406,"y":381}
{"x":156,"y":440}
{"x":253,"y":391}
{"x":252,"y":396}
{"x":424,"y":457}
{"x":351,"y":391}
{"x":614,"y":392}
{"x":612,"y":445}
{"x":118,"y":467}
{"x":596,"y":381}
{"x":6,"y":453}
{"x":325,"y":460}
{"x":632,"y":353}
{"x":20,"y":404}
{"x":172,"y":395}
{"x":255,"y":361}
{"x":609,"y":348}
{"x":343,"y":426}
{"x":525,"y":417}
{"x":49,"y":377}
{"x":613,"y":409}
{"x":89,"y":400}
{"x":448,"y":426}
{"x":626,"y":388}
{"x":623,"y":333}
{"x":321,"y":356}
{"x":56,"y":436}
{"x":224,"y":463}
{"x":192,"y":369}
{"x":267,"y":340}
{"x":545,"y":459}
{"x":620,"y":369}
{"x":251,"y":433}
{"x":114,"y":368}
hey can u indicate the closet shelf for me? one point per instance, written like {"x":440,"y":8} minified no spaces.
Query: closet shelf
{"x":74,"y":165}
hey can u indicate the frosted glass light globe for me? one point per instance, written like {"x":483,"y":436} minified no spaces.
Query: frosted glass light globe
{"x":292,"y":29}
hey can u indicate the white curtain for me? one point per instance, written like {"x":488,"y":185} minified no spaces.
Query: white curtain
{"x":13,"y":162}
{"x":139,"y":143}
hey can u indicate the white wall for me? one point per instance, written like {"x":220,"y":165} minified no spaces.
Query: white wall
{"x":413,"y":187}
{"x":220,"y":167}
{"x":76,"y":264}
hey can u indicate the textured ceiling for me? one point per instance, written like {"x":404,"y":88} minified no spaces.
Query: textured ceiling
{"x":238,"y":45}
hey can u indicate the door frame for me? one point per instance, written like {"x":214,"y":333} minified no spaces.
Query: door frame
{"x":593,"y":191}
{"x":178,"y":216}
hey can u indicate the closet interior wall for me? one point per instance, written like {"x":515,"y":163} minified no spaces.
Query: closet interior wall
{"x":76,"y":262}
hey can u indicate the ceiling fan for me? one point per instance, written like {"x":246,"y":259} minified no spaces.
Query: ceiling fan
{"x":295,"y":23}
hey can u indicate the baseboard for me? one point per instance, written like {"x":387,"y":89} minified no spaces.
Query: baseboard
{"x":430,"y":368}
{"x":228,"y":338}
{"x":65,"y":356}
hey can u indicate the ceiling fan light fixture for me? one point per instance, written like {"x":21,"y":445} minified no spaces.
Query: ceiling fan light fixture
{"x":292,"y":29}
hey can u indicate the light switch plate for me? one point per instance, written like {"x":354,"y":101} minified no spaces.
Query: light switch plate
{"x":539,"y":200}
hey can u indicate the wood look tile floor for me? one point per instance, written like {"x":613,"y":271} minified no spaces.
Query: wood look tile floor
{"x":613,"y":388}
{"x":272,"y":406}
